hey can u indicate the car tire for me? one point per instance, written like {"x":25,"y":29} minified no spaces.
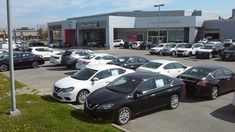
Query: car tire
{"x":174,"y":101}
{"x":173,"y":53}
{"x":190,"y":54}
{"x":210,"y":56}
{"x":160,"y":52}
{"x":3,"y":67}
{"x":214,"y":93}
{"x":81,"y":96}
{"x":123,"y":116}
{"x":35,"y":65}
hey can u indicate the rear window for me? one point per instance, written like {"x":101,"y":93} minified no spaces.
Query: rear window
{"x":198,"y":71}
{"x":153,"y":65}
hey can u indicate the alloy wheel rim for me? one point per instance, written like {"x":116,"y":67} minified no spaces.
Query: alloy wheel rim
{"x":3,"y":68}
{"x":174,"y":102}
{"x":82,"y":96}
{"x":35,"y":65}
{"x":124,"y":116}
{"x":214,"y":93}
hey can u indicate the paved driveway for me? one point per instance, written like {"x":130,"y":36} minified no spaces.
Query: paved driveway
{"x":196,"y":115}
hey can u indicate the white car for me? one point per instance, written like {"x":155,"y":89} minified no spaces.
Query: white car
{"x":45,"y":52}
{"x":166,"y":67}
{"x":75,"y":88}
{"x":94,"y":59}
{"x":118,"y":42}
{"x":233,"y":103}
{"x":188,"y":49}
{"x":158,"y":48}
{"x":136,"y":44}
{"x":56,"y":58}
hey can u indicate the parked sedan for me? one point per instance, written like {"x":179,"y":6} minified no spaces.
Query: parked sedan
{"x":79,"y":85}
{"x":228,"y":54}
{"x":133,"y":94}
{"x":70,"y":57}
{"x":21,"y":59}
{"x":94,"y":59}
{"x":209,"y":50}
{"x":130,"y":62}
{"x":157,"y":49}
{"x":208,"y":80}
{"x":166,"y":67}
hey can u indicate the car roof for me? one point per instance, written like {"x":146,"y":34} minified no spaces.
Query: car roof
{"x":102,"y":67}
{"x":144,"y":75}
{"x":163,"y":61}
{"x":211,"y":67}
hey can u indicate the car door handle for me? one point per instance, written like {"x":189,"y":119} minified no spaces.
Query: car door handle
{"x":169,"y":90}
{"x":152,"y":95}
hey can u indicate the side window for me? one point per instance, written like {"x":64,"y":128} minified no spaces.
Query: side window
{"x":121,"y":71}
{"x":134,"y":60}
{"x":103,"y":74}
{"x":26,"y":55}
{"x":162,"y":82}
{"x":227,"y":72}
{"x":169,"y":66}
{"x":17,"y":56}
{"x":146,"y":86}
{"x":218,"y":73}
{"x":98,"y":58}
{"x":108,"y":57}
{"x":178,"y":65}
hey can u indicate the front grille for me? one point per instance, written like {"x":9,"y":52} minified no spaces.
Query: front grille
{"x":57,"y":89}
{"x":56,"y":57}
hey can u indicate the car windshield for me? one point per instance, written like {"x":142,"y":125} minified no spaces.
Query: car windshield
{"x":207,"y":47}
{"x":185,"y":46}
{"x":123,"y":84}
{"x":84,"y":74}
{"x":4,"y":55}
{"x":198,"y":71}
{"x":121,"y":59}
{"x":153,"y":65}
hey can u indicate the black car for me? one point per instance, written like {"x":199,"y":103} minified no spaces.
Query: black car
{"x":36,"y":43}
{"x":131,"y":62}
{"x":133,"y":94}
{"x":228,"y":54}
{"x":208,"y":80}
{"x":21,"y":59}
{"x":210,"y":50}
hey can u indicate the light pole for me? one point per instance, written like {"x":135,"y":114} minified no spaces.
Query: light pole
{"x":158,"y":31}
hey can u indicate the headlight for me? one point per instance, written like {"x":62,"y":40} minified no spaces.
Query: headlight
{"x":105,"y":106}
{"x":68,"y":89}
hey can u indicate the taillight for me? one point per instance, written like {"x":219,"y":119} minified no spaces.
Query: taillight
{"x":202,"y":83}
{"x":85,"y":62}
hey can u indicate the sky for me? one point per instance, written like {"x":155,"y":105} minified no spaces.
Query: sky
{"x":31,"y":13}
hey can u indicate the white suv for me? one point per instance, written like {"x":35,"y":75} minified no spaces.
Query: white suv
{"x":118,"y":42}
{"x":188,"y":49}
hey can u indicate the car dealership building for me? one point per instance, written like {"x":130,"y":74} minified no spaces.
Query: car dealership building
{"x":176,"y":25}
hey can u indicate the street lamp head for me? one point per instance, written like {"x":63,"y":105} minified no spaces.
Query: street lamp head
{"x":159,"y":5}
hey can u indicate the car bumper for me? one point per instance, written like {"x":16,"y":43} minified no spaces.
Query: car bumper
{"x":182,"y":53}
{"x":64,"y":96}
{"x":55,"y":61}
{"x":202,"y":55}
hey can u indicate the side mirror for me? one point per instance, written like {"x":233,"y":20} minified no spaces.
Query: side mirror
{"x":137,"y":93}
{"x":95,"y":79}
{"x":185,"y":67}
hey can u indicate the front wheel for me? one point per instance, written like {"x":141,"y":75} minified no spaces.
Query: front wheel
{"x":35,"y":65}
{"x":3,"y":67}
{"x":174,"y":101}
{"x":173,"y":53}
{"x":81,"y":96}
{"x":124,"y":115}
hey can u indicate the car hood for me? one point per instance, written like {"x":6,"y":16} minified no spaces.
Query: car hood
{"x":104,"y":95}
{"x":69,"y":82}
{"x":185,"y":49}
{"x":205,"y":50}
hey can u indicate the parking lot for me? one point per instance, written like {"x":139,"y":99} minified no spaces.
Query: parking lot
{"x":193,"y":114}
